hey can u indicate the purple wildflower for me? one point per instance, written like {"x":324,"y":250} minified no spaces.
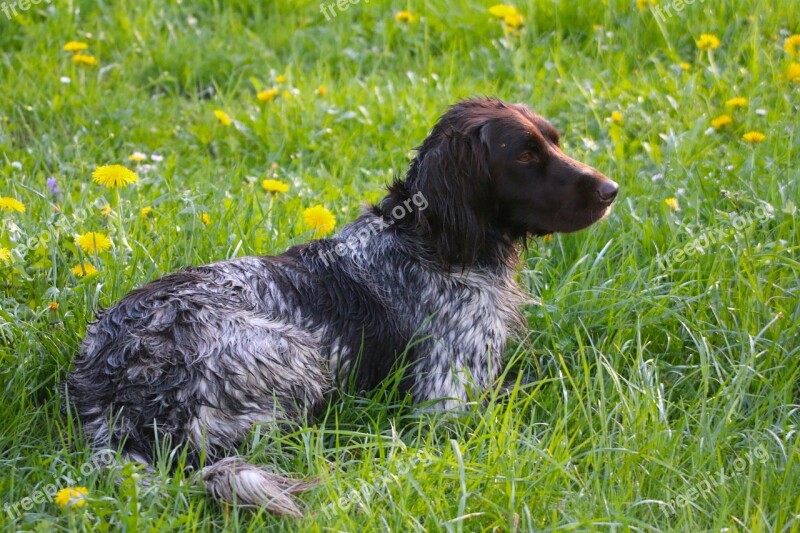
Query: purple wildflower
{"x":52,"y":185}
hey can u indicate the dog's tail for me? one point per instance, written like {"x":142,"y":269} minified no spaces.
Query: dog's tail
{"x":234,"y":481}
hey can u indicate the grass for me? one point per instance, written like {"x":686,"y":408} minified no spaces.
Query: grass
{"x":650,"y":369}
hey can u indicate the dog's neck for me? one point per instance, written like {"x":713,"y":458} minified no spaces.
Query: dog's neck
{"x":405,"y":212}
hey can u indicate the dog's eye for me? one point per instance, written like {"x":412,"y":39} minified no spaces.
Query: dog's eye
{"x":528,"y":157}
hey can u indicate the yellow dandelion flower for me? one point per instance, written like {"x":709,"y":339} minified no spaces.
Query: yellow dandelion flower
{"x":736,"y":102}
{"x":5,"y":255}
{"x":53,"y":306}
{"x":501,"y":11}
{"x":280,"y":78}
{"x":84,"y":269}
{"x":274,"y":186}
{"x":84,"y":59}
{"x":12,"y":204}
{"x":137,"y":157}
{"x":754,"y":137}
{"x":72,"y":496}
{"x":793,"y":72}
{"x":721,"y":121}
{"x":75,"y":46}
{"x":509,"y":14}
{"x":105,"y":210}
{"x":93,"y":242}
{"x":514,"y":21}
{"x":673,"y":204}
{"x":145,"y":211}
{"x":113,"y":176}
{"x":319,"y":219}
{"x":708,"y":41}
{"x":267,"y":95}
{"x":223,"y":117}
{"x":205,"y":218}
{"x":286,"y":95}
{"x":547,"y":238}
{"x":321,"y":90}
{"x":792,"y":45}
{"x":617,"y":118}
{"x":644,"y":4}
{"x":404,"y":16}
{"x":685,"y":66}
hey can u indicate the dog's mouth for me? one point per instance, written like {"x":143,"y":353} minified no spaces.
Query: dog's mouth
{"x":605,"y":211}
{"x":573,"y":222}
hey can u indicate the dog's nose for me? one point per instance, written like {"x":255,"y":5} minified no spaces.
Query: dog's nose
{"x":608,"y":190}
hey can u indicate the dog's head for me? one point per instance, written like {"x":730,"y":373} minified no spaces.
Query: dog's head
{"x":492,"y":167}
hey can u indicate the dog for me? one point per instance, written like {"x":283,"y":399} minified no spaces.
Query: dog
{"x":424,"y":280}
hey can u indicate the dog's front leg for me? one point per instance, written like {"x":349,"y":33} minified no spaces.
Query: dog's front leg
{"x":447,"y":379}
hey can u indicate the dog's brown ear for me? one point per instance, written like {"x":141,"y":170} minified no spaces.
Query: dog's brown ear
{"x":451,"y":171}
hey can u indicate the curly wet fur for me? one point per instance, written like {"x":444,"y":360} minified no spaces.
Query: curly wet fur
{"x":199,"y":356}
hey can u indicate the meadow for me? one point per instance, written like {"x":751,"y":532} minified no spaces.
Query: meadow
{"x":658,"y":385}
